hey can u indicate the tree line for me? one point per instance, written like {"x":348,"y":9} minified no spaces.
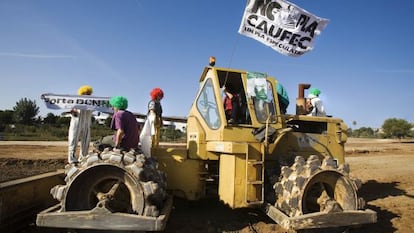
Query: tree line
{"x":24,"y":123}
{"x":391,"y":128}
{"x":25,"y":115}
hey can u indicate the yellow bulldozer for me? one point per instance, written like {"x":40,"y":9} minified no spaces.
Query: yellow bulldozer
{"x":290,"y":165}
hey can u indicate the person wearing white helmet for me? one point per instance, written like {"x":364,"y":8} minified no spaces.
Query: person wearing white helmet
{"x":315,"y":104}
{"x":79,"y":129}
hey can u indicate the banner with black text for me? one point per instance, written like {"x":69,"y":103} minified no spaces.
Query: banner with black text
{"x":281,"y":25}
{"x":54,"y":101}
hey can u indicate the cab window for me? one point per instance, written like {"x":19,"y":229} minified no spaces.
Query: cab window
{"x":207,"y":105}
{"x":265,"y":105}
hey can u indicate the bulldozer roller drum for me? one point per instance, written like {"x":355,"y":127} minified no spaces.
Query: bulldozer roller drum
{"x":316,"y":185}
{"x":123,"y":182}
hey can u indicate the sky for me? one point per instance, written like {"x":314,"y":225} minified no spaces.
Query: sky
{"x":362,"y":61}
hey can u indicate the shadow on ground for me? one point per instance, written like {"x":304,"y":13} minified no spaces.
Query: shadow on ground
{"x":373,"y":190}
{"x":210,"y":215}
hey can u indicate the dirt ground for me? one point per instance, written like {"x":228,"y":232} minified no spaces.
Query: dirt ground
{"x":386,"y":168}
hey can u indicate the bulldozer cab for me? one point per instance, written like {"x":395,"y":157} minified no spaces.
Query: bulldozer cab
{"x":258,"y":106}
{"x":257,"y":100}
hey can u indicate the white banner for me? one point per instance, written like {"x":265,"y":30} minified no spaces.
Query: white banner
{"x":281,"y":25}
{"x":54,"y":101}
{"x":257,"y":85}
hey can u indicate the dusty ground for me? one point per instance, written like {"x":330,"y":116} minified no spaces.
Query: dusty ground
{"x":386,"y":168}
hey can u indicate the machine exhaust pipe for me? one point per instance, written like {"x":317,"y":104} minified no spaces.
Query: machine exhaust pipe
{"x":300,"y":100}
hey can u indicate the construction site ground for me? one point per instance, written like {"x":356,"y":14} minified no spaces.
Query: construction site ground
{"x":386,"y":168}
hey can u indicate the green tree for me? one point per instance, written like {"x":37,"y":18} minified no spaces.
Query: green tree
{"x":170,"y":134}
{"x":25,"y":111}
{"x":350,"y":132}
{"x":364,"y":132}
{"x":6,"y":117}
{"x":50,"y":119}
{"x":396,"y":128}
{"x":63,"y":121}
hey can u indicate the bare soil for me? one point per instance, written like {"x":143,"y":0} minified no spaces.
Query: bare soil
{"x":386,"y":168}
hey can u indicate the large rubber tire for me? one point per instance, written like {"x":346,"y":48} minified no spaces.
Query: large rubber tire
{"x":316,"y":185}
{"x":123,"y":182}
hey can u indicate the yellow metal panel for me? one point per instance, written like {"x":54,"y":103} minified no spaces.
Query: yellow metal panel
{"x":195,"y":138}
{"x":232,"y":183}
{"x":227,"y":147}
{"x":237,"y":134}
{"x":183,"y":174}
{"x":240,"y":182}
{"x":227,"y":180}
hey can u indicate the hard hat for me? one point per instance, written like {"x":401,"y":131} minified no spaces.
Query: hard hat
{"x":85,"y":90}
{"x":314,"y":92}
{"x":156,"y":92}
{"x":119,"y":102}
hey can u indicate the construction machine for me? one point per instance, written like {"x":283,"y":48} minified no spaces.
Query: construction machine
{"x":290,"y":165}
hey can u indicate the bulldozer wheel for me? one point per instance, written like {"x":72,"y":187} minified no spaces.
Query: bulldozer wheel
{"x":316,"y":185}
{"x":123,"y":182}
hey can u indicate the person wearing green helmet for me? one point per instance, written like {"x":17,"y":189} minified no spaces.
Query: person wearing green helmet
{"x":125,"y":125}
{"x":314,"y":103}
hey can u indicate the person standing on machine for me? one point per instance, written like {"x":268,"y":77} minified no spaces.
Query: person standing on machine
{"x":79,"y":129}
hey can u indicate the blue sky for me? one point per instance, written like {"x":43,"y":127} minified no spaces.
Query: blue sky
{"x":362,"y":61}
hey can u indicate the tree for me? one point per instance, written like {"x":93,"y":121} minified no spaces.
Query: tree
{"x":171,"y":134}
{"x":394,"y":127}
{"x":6,"y":117}
{"x":63,"y":121}
{"x":25,"y":111}
{"x":364,"y":132}
{"x":50,"y":119}
{"x":350,"y":132}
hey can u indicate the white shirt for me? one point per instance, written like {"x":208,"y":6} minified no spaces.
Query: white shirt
{"x":318,"y":108}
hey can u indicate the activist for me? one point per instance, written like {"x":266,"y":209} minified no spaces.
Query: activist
{"x":283,"y":98}
{"x":79,"y":128}
{"x":125,"y":125}
{"x":231,"y":104}
{"x":155,"y":112}
{"x":314,"y":103}
{"x":150,"y":134}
